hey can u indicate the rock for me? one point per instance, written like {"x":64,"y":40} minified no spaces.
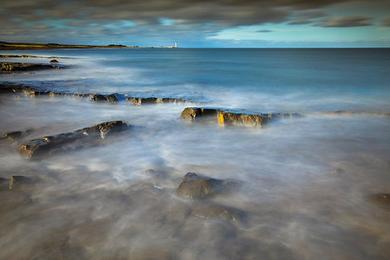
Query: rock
{"x":81,"y":138}
{"x":153,"y":100}
{"x":381,"y":199}
{"x":228,"y":118}
{"x":98,"y":98}
{"x":217,"y":211}
{"x":195,"y":186}
{"x":192,"y":113}
{"x":15,"y":135}
{"x":54,"y":61}
{"x":17,"y":181}
{"x":17,"y":66}
{"x":17,"y":89}
{"x":232,"y":118}
{"x":112,"y":98}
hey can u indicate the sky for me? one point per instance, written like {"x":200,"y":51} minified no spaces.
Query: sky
{"x":199,"y":23}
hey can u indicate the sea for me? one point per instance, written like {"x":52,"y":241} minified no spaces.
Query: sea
{"x":312,"y":187}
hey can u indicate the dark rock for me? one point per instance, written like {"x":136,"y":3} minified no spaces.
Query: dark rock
{"x":112,"y":98}
{"x":15,"y":135}
{"x":16,"y":66}
{"x":17,"y":89}
{"x":54,"y":61}
{"x":139,"y":101}
{"x":153,"y":100}
{"x":98,"y":98}
{"x":81,"y":138}
{"x":7,"y":56}
{"x":195,"y":186}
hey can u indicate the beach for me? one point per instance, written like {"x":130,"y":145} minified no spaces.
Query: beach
{"x":219,"y":154}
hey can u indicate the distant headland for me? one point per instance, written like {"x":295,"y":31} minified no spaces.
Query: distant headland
{"x":38,"y":46}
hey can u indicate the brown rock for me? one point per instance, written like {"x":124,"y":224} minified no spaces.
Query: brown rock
{"x":192,"y":113}
{"x":232,"y":118}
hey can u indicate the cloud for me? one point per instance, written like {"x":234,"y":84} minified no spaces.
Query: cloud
{"x":305,"y":17}
{"x":350,"y":21}
{"x":232,"y":12}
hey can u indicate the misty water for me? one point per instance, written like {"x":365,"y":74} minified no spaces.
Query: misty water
{"x":308,"y":184}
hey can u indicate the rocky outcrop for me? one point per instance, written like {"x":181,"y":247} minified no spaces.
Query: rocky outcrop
{"x":153,"y":100}
{"x":54,"y":61}
{"x":195,"y":186}
{"x":232,"y":118}
{"x":81,"y":138}
{"x":16,"y":66}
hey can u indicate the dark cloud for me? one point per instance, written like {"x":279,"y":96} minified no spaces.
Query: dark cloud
{"x":232,"y":12}
{"x":351,"y":21}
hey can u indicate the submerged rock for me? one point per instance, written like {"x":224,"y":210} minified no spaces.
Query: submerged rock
{"x":218,"y":211}
{"x":232,"y":118}
{"x":195,"y":186}
{"x":89,"y":136}
{"x":153,"y":100}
